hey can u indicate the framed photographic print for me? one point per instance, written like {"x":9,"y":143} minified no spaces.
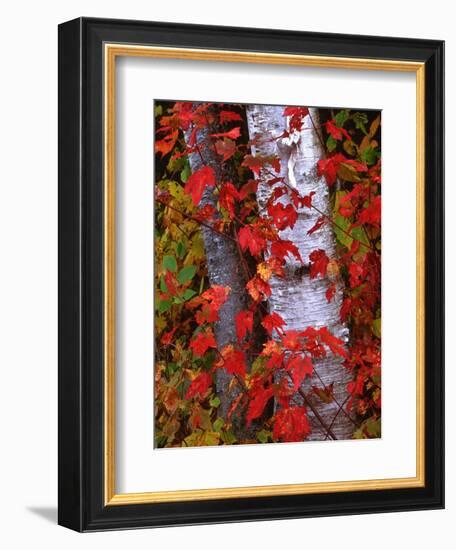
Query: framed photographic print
{"x":250,"y":274}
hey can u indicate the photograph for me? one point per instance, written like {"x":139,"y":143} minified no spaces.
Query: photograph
{"x":267,"y":296}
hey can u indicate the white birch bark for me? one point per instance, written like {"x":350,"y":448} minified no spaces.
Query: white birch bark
{"x":300,"y":301}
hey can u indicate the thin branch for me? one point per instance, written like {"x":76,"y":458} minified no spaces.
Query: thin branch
{"x":337,"y":402}
{"x":337,"y":414}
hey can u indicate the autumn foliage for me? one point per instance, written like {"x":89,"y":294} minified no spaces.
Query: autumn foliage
{"x":267,"y":362}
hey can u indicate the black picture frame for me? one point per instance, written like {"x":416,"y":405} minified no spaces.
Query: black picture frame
{"x":81,"y":402}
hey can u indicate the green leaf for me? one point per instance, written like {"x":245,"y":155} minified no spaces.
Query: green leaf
{"x":359,"y":234}
{"x":358,"y":434}
{"x":218,"y":424}
{"x":164,"y":305}
{"x":180,"y":249}
{"x":369,"y":155}
{"x":160,"y":440}
{"x":258,"y":364}
{"x":350,"y":147}
{"x":214,"y":402}
{"x":163,"y":286}
{"x":228,"y":437}
{"x":185,"y":174}
{"x":263,"y":436}
{"x":199,"y":438}
{"x":176,"y":164}
{"x":342,"y":117}
{"x":171,"y":369}
{"x":201,"y":285}
{"x":341,"y":224}
{"x":189,"y":293}
{"x":169,"y":262}
{"x":377,"y":327}
{"x":158,"y":110}
{"x":342,"y":231}
{"x":373,"y":427}
{"x":331,"y":144}
{"x":211,"y":438}
{"x":186,"y":274}
{"x":360,"y":119}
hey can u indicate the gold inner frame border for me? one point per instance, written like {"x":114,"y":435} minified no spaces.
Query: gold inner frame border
{"x":110,"y":53}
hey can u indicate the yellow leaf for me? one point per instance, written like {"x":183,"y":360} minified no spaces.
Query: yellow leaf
{"x":171,"y":399}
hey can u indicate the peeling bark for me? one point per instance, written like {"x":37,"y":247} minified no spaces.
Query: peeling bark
{"x":300,"y":301}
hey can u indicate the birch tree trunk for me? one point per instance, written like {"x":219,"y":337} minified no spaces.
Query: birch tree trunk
{"x":300,"y":301}
{"x":224,"y":269}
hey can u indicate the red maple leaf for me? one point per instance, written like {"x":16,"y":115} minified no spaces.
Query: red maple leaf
{"x":319,"y":263}
{"x":307,"y":200}
{"x":217,"y":294}
{"x":225,"y":148}
{"x":198,"y":181}
{"x":206,"y":213}
{"x":299,"y":366}
{"x":251,"y":239}
{"x":202,"y":342}
{"x":297,"y":115}
{"x":171,"y":283}
{"x":167,"y":337}
{"x":292,"y":111}
{"x":232,"y":134}
{"x":356,"y":272}
{"x":276,"y":356}
{"x":336,"y":345}
{"x":211,"y":301}
{"x":273,"y":321}
{"x":283,"y":216}
{"x":292,"y":340}
{"x":233,"y":361}
{"x":357,"y":165}
{"x":345,"y":309}
{"x":256,"y":163}
{"x":281,"y":249}
{"x":336,"y":132}
{"x":291,"y":424}
{"x":244,"y":323}
{"x":331,"y":291}
{"x":258,"y":289}
{"x":328,"y":167}
{"x":165,"y":145}
{"x":229,"y":116}
{"x":259,"y":396}
{"x":185,"y":113}
{"x":372,"y":213}
{"x":321,"y":221}
{"x":325,"y":394}
{"x":249,"y":188}
{"x":199,"y":385}
{"x":193,"y":136}
{"x":228,"y":197}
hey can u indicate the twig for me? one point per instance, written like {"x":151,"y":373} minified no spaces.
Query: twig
{"x":337,"y":414}
{"x":337,"y":402}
